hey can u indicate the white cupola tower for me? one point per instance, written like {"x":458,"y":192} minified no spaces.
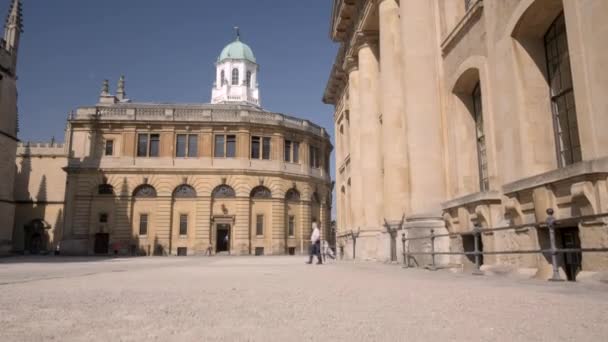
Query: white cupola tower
{"x":236,"y":78}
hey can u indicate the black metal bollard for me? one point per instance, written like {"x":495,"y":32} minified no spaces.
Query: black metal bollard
{"x":355,"y":236}
{"x":551,"y":226}
{"x":433,"y":266}
{"x":406,"y":261}
{"x":477,"y":236}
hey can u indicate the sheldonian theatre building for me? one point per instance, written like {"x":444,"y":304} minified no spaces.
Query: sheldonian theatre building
{"x":177,"y":179}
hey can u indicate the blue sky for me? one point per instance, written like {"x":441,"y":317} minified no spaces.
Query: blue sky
{"x":166,"y":50}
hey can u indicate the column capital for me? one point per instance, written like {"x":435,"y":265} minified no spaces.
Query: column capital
{"x":367,"y":39}
{"x":351,"y":63}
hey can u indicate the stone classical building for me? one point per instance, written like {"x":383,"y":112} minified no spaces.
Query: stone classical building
{"x":178,"y":179}
{"x":463,"y":113}
{"x":9,"y":48}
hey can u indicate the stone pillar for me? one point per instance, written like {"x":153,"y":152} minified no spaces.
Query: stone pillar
{"x":396,"y":168}
{"x":356,"y":210}
{"x":370,"y":135}
{"x":422,"y":106}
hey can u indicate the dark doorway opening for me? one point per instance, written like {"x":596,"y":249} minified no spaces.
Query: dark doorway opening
{"x":468,"y":245}
{"x":36,"y":237}
{"x":291,"y":251}
{"x":102,"y":243}
{"x":222,"y":239}
{"x":571,"y":262}
{"x":35,"y":243}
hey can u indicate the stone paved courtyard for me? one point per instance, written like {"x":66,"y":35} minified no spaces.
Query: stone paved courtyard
{"x":280,"y":299}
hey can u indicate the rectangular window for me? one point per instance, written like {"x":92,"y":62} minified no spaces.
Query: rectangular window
{"x":142,"y":145}
{"x":266,"y":148}
{"x":259,"y":225}
{"x":291,"y":228}
{"x":563,"y":105}
{"x":183,"y":224}
{"x":231,"y":146}
{"x":225,"y":146}
{"x":255,"y":147}
{"x":287,"y":150}
{"x":148,"y":145}
{"x":103,"y":218}
{"x":292,"y":151}
{"x":296,"y":152}
{"x":192,"y":145}
{"x":186,"y":145}
{"x":314,"y":157}
{"x":484,"y":181}
{"x":259,"y":251}
{"x":143,"y":224}
{"x":154,"y":145}
{"x":109,"y":147}
{"x":260,"y":148}
{"x":219,"y":146}
{"x":180,"y":148}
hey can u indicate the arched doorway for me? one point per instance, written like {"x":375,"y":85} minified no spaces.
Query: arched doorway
{"x":36,"y":236}
{"x":223,"y":207}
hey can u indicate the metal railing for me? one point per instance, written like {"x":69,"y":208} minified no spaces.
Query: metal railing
{"x":551,"y":224}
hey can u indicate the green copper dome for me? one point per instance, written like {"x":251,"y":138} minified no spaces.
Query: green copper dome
{"x":237,"y":50}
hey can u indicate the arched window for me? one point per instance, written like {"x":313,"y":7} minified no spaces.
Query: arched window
{"x":223,"y":191}
{"x":144,"y":191}
{"x":261,"y":192}
{"x":235,"y":76}
{"x":292,"y":195}
{"x":248,"y":79}
{"x":184,"y":191}
{"x":105,"y":189}
{"x":315,"y":198}
{"x":223,"y":78}
{"x":559,"y":73}
{"x":482,"y":160}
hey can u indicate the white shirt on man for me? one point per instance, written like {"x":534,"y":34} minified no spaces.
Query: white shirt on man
{"x":316,"y":234}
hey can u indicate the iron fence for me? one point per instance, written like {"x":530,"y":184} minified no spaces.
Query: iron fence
{"x":551,"y":224}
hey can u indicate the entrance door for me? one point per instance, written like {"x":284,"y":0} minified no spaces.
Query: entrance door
{"x":102,"y":243}
{"x":222,"y":238}
{"x":35,"y":244}
{"x":572,"y":261}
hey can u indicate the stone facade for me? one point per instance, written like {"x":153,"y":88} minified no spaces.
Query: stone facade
{"x":39,"y":197}
{"x":175,"y":179}
{"x":473,"y":113}
{"x":9,"y":48}
{"x":134,"y":188}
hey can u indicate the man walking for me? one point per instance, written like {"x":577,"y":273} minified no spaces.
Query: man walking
{"x":315,"y":243}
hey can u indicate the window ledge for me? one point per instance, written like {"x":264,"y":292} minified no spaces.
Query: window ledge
{"x":586,"y":168}
{"x":470,"y":17}
{"x":478,"y":197}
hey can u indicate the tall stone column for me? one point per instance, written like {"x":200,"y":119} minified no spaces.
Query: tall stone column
{"x":356,"y":210}
{"x":370,"y":134}
{"x":423,"y":124}
{"x":396,"y":168}
{"x":422,"y":106}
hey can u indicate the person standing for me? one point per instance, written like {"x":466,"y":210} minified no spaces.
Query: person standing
{"x":315,"y":243}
